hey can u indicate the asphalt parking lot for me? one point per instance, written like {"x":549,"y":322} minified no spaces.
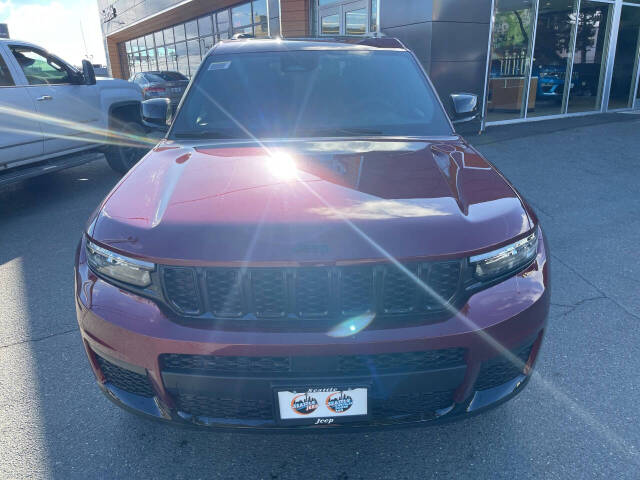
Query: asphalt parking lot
{"x":578,"y":418}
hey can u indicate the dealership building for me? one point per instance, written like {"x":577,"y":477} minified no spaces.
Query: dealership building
{"x":527,"y":59}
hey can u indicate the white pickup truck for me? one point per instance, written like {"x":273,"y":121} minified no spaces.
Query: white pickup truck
{"x":51,"y":114}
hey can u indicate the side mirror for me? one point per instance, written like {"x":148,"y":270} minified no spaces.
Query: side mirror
{"x":88,"y":73}
{"x":156,"y":113}
{"x":465,"y":107}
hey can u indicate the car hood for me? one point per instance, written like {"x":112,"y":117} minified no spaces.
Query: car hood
{"x":309,"y":201}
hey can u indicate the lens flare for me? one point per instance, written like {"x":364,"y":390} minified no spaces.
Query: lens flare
{"x":282,"y":166}
{"x":351,"y":326}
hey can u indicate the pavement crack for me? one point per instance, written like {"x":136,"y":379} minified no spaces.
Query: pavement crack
{"x":573,"y":306}
{"x":57,"y":334}
{"x":595,"y":287}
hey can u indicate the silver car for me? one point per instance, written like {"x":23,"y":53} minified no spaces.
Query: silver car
{"x":169,"y":85}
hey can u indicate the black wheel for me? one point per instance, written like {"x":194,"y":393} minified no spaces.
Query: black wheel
{"x":127,"y":151}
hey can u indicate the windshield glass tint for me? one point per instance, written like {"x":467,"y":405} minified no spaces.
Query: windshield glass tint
{"x":165,"y":77}
{"x":310,"y":94}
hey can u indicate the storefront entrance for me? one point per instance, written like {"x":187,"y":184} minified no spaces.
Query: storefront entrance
{"x":562,"y":57}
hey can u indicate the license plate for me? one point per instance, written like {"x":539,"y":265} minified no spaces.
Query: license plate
{"x":176,"y":90}
{"x":322,"y":405}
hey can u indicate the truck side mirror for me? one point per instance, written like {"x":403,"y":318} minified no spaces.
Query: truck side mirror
{"x":465,"y":107}
{"x":156,"y":113}
{"x":88,"y":73}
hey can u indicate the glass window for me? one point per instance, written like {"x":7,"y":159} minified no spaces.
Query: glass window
{"x":192,"y":29}
{"x":625,"y":67}
{"x":193,"y":47}
{"x":556,"y":19}
{"x":127,"y":47}
{"x":205,"y":27}
{"x":159,"y":39}
{"x":40,"y":69}
{"x":168,"y":36}
{"x":590,"y":58}
{"x":222,"y":20}
{"x":356,"y":22}
{"x":259,"y":11}
{"x":143,"y":60}
{"x":162,"y":58}
{"x":311,"y":94}
{"x":206,"y":43}
{"x":181,"y":58}
{"x":153,"y":63}
{"x":330,"y":25}
{"x":6,"y":80}
{"x":637,"y":105}
{"x":149,"y":40}
{"x":374,"y":15}
{"x":172,"y":58}
{"x":510,"y":54}
{"x":179,"y":33}
{"x":326,"y":2}
{"x":241,"y":17}
{"x":261,"y":30}
{"x":248,"y":30}
{"x":260,"y":19}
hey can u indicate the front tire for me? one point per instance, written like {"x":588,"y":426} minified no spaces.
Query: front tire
{"x":127,"y":151}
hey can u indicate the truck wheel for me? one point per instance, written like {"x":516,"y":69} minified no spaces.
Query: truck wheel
{"x":122,"y":157}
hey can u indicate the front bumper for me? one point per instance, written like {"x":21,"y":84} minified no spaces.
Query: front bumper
{"x":149,"y":364}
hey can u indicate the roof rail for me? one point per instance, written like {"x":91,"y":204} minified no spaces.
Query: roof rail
{"x":378,"y":40}
{"x":382,"y":42}
{"x":242,"y":36}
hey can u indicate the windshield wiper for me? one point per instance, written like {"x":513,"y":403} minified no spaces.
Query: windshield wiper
{"x":339,"y":132}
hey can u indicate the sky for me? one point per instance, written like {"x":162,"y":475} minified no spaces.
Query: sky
{"x":57,"y":26}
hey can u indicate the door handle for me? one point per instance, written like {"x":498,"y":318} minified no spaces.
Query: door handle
{"x":44,"y":98}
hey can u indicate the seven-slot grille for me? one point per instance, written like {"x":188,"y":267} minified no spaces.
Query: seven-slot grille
{"x":311,"y":292}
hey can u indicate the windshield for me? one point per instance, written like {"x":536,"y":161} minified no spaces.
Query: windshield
{"x":310,"y":94}
{"x":159,"y":77}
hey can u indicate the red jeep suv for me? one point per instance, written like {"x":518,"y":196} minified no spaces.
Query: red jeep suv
{"x":312,"y":245}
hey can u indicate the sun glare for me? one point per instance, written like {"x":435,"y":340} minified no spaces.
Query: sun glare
{"x":282,"y":166}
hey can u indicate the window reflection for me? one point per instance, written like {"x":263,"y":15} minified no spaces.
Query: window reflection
{"x":330,"y":25}
{"x":374,"y":15}
{"x":356,"y":22}
{"x":551,"y":55}
{"x":590,"y":58}
{"x":625,"y":67}
{"x":182,"y":46}
{"x":241,"y":17}
{"x":511,"y":45}
{"x":168,"y":36}
{"x":193,"y":48}
{"x":205,"y":26}
{"x":179,"y":33}
{"x":181,"y":58}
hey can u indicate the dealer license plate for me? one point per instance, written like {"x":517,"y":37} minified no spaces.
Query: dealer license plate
{"x":322,"y":405}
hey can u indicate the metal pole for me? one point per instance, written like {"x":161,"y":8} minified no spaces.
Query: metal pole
{"x":533,"y":48}
{"x":488,"y":66}
{"x":570,"y":60}
{"x":611,"y":54}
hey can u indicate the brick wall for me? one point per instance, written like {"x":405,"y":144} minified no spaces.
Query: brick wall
{"x":295,"y":18}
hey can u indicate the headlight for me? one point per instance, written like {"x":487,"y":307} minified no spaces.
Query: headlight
{"x":118,"y":267}
{"x":506,"y":259}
